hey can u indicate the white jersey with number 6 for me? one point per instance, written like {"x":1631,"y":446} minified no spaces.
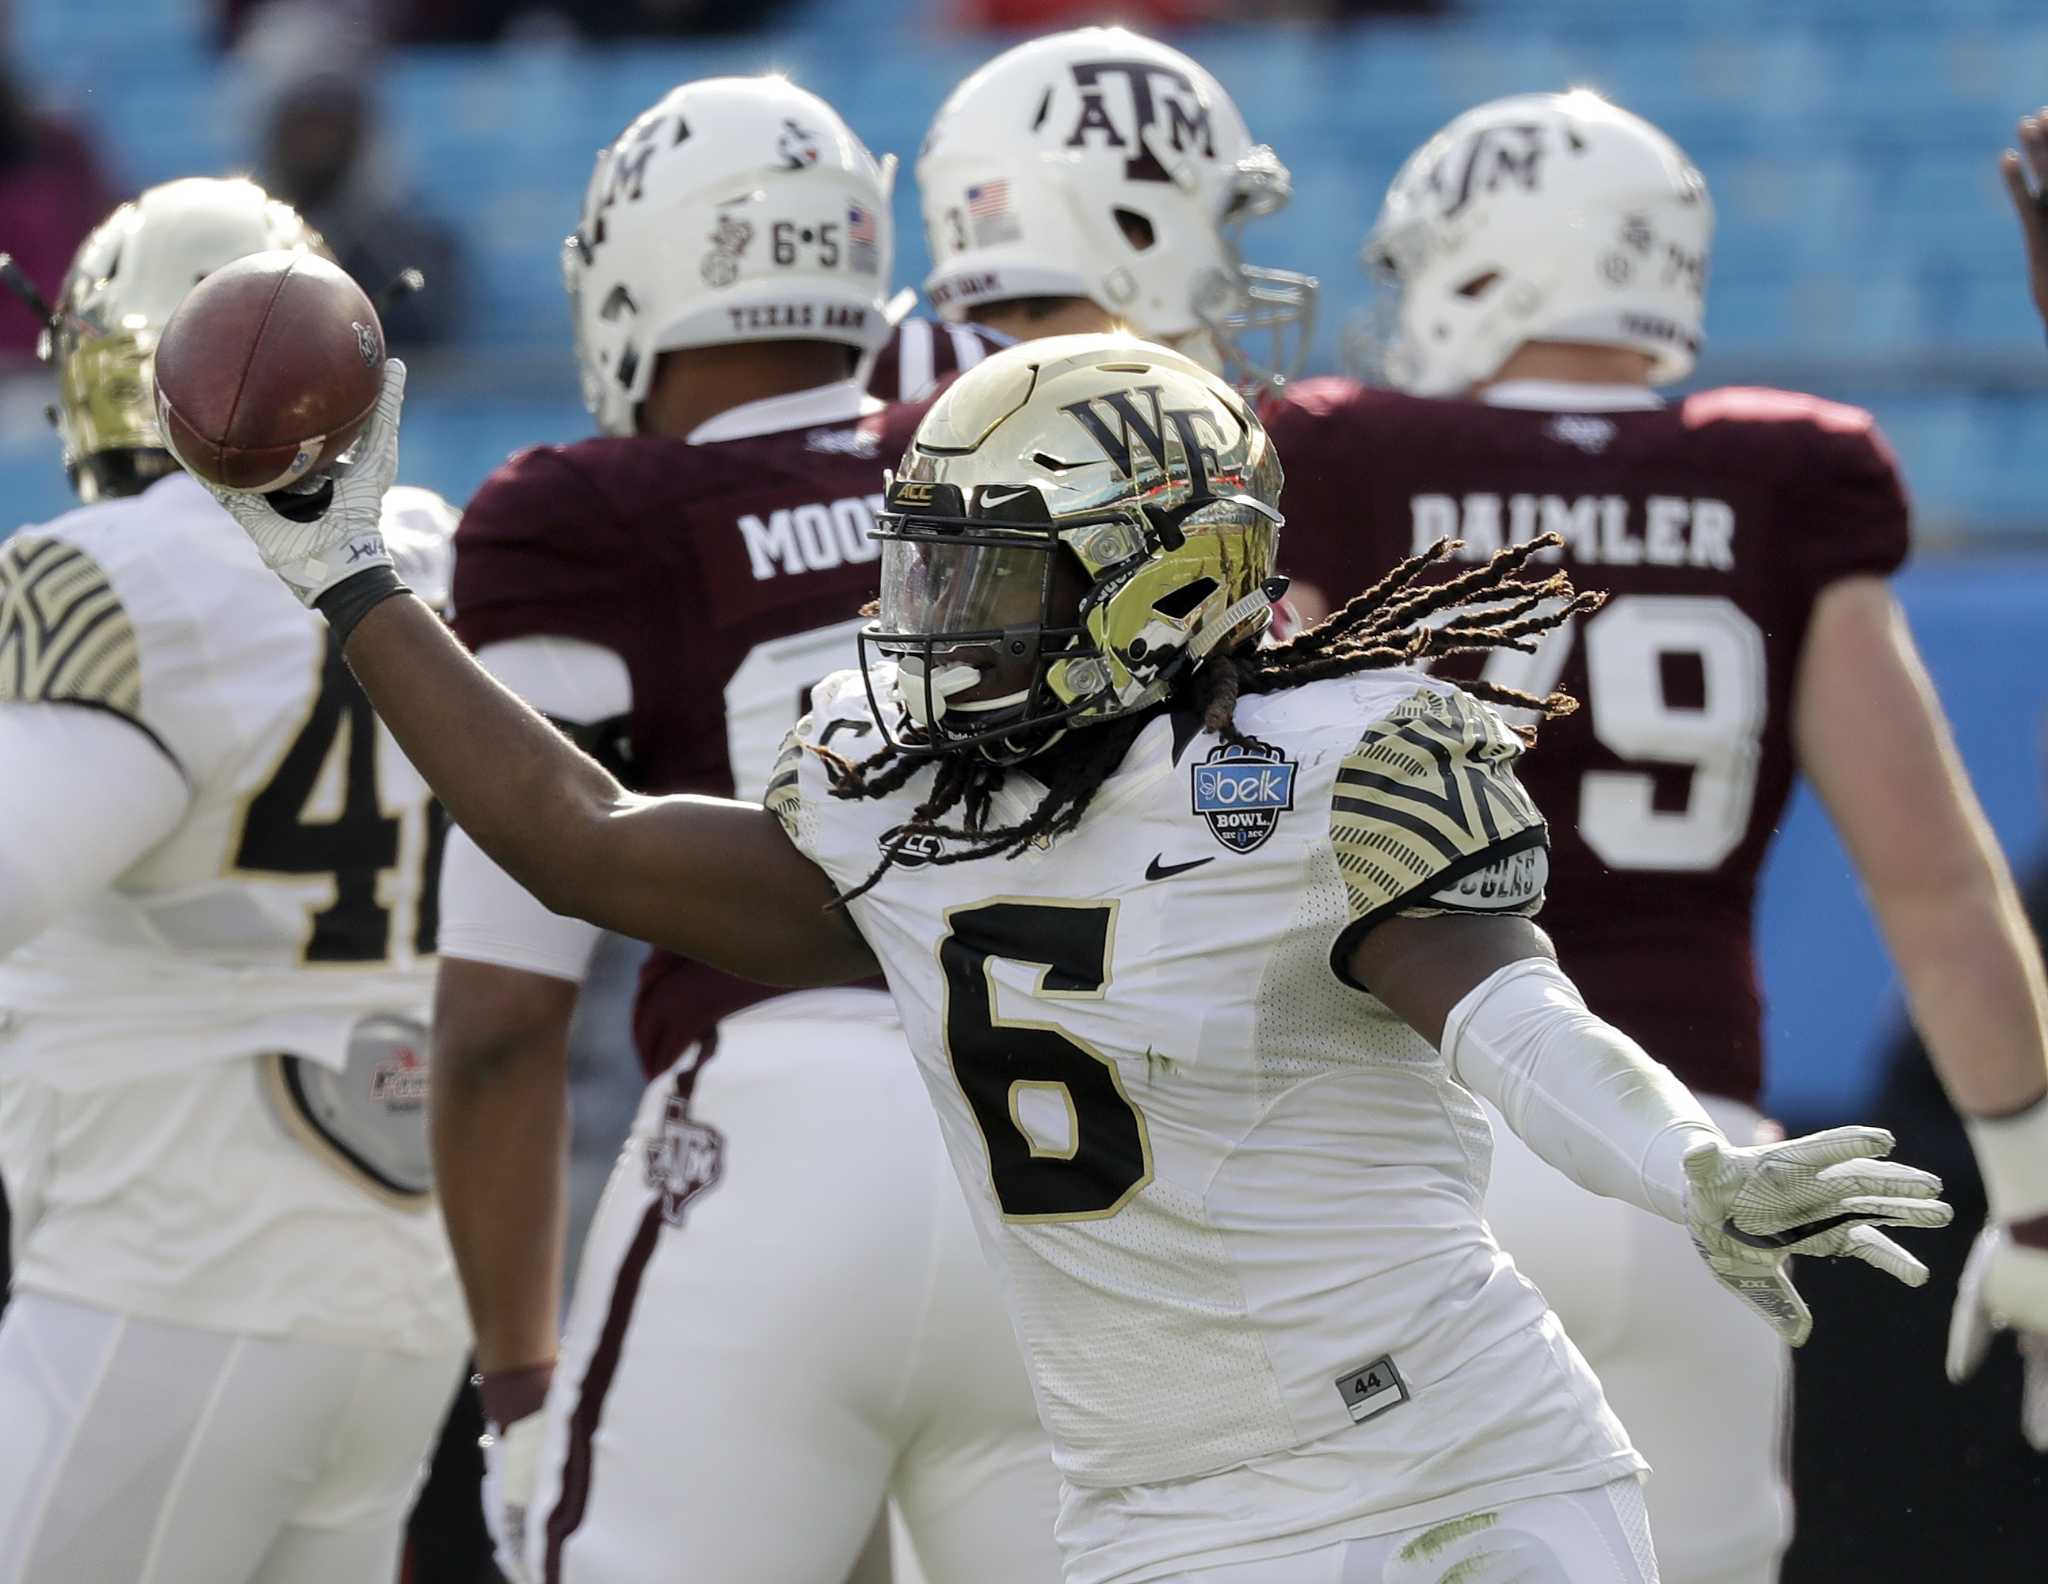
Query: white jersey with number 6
{"x":1234,"y":1201}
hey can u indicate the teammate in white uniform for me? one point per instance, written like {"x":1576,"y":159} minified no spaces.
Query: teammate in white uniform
{"x":781,"y":1298}
{"x":1234,"y":1195}
{"x":234,"y":1327}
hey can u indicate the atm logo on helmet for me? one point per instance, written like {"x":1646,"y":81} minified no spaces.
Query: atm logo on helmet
{"x":1153,"y":88}
{"x":1147,"y":427}
{"x":1493,"y":157}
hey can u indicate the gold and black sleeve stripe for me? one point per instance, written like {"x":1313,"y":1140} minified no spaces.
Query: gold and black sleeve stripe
{"x":64,"y":636}
{"x":783,"y":798}
{"x":1427,"y":796}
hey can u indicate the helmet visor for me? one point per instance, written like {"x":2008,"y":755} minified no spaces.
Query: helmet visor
{"x":942,"y":586}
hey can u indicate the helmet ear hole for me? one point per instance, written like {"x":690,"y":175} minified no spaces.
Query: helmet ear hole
{"x":1181,"y":603}
{"x":1138,"y":230}
{"x":1479,"y":285}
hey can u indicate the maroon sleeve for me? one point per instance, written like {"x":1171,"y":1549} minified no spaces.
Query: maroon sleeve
{"x":538,"y":554}
{"x":1845,"y":509}
{"x":1851,"y":506}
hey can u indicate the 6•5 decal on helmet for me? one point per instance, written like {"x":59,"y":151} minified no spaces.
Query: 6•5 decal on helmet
{"x":779,"y":212}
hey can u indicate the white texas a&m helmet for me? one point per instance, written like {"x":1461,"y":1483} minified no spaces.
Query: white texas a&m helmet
{"x":1100,"y":164}
{"x":735,"y":209}
{"x":1542,"y":217}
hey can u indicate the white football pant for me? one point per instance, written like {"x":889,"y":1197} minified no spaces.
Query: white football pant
{"x":1700,"y":1383}
{"x":783,"y":1317}
{"x":137,"y":1451}
{"x":1598,"y":1536}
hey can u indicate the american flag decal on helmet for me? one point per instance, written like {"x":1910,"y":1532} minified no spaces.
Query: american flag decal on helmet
{"x":988,"y":207}
{"x":861,"y":235}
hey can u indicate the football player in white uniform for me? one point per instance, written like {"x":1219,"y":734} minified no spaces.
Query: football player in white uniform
{"x":235,"y":1326}
{"x":1203,"y":950}
{"x":780,"y":1254}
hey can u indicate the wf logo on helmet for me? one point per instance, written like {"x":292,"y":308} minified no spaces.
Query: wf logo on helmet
{"x":1242,"y":792}
{"x":1132,"y":427}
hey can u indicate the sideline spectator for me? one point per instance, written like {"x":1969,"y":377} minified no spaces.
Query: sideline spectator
{"x":321,"y":148}
{"x":52,"y":192}
{"x":2026,"y":179}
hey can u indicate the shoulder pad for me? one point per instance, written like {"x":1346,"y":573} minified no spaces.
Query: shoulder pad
{"x":65,"y":636}
{"x":1756,"y":404}
{"x":1425,"y":797}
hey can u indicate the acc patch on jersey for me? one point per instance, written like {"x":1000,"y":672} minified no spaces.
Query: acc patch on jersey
{"x":1242,"y":791}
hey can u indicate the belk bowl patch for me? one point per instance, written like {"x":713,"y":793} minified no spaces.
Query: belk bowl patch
{"x":1242,"y":791}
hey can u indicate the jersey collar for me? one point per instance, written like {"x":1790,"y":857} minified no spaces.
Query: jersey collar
{"x":842,"y":402}
{"x":1570,"y":396}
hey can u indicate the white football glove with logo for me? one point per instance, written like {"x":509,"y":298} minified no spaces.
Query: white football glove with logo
{"x":346,"y":536}
{"x":1751,"y":1209}
{"x":2005,"y":1283}
{"x":511,"y":1477}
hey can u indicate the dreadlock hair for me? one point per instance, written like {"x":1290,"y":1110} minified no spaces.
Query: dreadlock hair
{"x":1401,"y":619}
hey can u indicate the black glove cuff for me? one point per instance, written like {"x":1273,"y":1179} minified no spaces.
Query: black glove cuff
{"x":350,"y":600}
{"x":306,"y":503}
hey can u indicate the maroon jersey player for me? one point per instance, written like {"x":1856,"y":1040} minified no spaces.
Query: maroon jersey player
{"x":715,"y":568}
{"x":668,"y":591}
{"x":1713,"y":524}
{"x":1549,"y":257}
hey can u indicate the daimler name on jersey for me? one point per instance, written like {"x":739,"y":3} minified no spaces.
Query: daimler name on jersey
{"x":1601,"y":530}
{"x":1242,"y":790}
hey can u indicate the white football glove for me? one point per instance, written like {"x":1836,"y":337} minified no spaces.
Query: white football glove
{"x":347,"y":538}
{"x":2006,"y":1281}
{"x":511,"y":1477}
{"x":2005,"y":1284}
{"x":1752,"y":1209}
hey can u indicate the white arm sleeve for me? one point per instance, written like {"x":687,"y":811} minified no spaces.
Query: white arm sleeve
{"x":1581,"y":1093}
{"x":85,"y":794}
{"x":486,"y":915}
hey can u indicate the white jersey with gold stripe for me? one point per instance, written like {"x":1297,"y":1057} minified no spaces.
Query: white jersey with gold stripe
{"x":293,"y":896}
{"x":1234,"y":1201}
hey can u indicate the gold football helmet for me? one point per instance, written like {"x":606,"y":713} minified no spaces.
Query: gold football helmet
{"x":125,"y":281}
{"x":1079,"y":522}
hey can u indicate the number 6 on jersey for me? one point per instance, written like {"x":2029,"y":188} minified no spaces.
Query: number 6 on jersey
{"x":1004,"y":1064}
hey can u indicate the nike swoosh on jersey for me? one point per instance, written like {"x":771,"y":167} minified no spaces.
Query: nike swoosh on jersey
{"x":1157,"y":869}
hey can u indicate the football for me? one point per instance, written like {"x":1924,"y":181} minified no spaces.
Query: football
{"x":268,"y":371}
